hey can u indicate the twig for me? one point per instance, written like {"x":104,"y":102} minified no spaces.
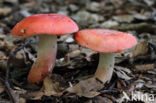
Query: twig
{"x":11,"y":56}
{"x":2,"y":80}
{"x":6,"y":81}
{"x":10,"y":92}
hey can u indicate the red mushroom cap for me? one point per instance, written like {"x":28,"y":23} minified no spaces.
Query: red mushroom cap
{"x":106,"y":41}
{"x":52,"y":24}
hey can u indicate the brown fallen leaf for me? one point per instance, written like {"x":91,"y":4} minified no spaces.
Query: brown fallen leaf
{"x":52,"y":86}
{"x":124,"y":18}
{"x":73,"y":54}
{"x":34,"y":95}
{"x":144,"y":67}
{"x":140,"y":49}
{"x":1,"y":88}
{"x":121,"y":84}
{"x":5,"y":11}
{"x":22,"y":100}
{"x":3,"y":58}
{"x":87,"y":88}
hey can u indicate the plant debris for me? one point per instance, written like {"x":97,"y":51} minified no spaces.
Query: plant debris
{"x":72,"y":78}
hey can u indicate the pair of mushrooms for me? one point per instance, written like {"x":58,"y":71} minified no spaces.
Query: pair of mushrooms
{"x":49,"y":26}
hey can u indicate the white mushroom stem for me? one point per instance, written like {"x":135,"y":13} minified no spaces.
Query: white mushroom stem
{"x":105,"y":67}
{"x":46,"y":55}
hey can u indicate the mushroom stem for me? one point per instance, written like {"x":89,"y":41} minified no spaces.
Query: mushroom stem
{"x":105,"y":67}
{"x":46,"y":55}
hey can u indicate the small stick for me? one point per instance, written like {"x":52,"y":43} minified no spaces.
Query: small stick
{"x":11,"y":56}
{"x":9,"y":90}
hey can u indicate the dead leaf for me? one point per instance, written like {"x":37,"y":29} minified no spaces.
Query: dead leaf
{"x":34,"y":95}
{"x":121,"y":74}
{"x":121,"y":84}
{"x":151,"y":85}
{"x":140,"y":49}
{"x":22,"y":100}
{"x":87,"y":52}
{"x":124,"y":18}
{"x":144,"y":67}
{"x":127,"y":70}
{"x":73,"y":54}
{"x":49,"y":88}
{"x":87,"y":88}
{"x":48,"y":85}
{"x":109,"y":24}
{"x":1,"y":88}
{"x":69,"y":40}
{"x":5,"y":11}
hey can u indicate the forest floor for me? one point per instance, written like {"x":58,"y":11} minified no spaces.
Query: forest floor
{"x":134,"y":76}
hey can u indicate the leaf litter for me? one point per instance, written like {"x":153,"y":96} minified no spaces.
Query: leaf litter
{"x":71,"y":80}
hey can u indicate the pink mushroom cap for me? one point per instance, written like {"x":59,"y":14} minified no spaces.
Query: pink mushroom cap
{"x":105,"y":41}
{"x":51,"y":24}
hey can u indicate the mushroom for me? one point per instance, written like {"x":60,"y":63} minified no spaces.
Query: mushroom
{"x":48,"y":27}
{"x":107,"y":43}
